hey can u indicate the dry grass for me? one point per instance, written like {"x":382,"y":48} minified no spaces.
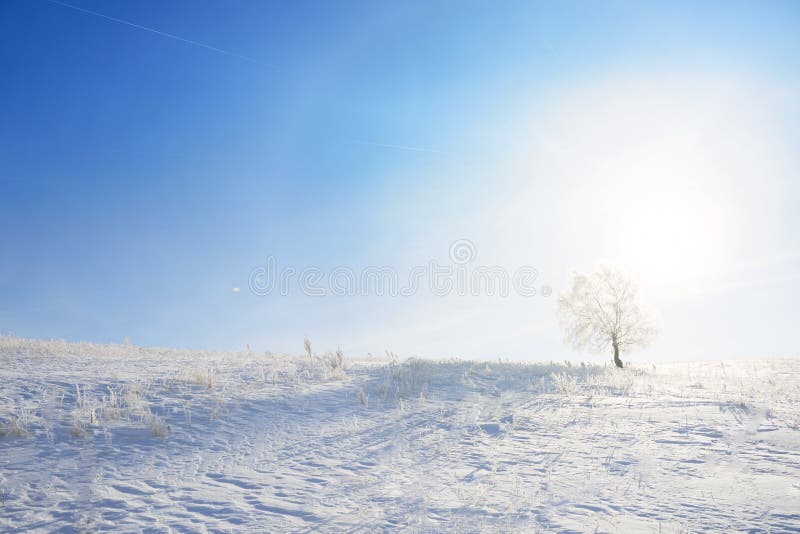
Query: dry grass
{"x":19,"y":423}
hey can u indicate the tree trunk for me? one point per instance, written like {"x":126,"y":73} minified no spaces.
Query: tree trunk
{"x":617,"y":361}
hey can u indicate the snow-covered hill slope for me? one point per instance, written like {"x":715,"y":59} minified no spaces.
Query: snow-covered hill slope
{"x":122,"y":438}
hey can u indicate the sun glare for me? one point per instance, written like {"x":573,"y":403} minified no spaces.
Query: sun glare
{"x":669,"y":236}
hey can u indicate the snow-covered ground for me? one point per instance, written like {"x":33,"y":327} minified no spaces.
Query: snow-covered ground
{"x":118,"y":437}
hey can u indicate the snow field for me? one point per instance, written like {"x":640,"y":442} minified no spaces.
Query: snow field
{"x":102,"y":437}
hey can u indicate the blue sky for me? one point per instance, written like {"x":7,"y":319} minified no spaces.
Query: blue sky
{"x":143,"y":176}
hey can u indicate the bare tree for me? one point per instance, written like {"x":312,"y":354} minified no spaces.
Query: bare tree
{"x":600,"y":311}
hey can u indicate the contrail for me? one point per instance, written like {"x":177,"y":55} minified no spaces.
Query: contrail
{"x":163,"y":34}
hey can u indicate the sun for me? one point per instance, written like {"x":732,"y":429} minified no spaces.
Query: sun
{"x":669,"y":235}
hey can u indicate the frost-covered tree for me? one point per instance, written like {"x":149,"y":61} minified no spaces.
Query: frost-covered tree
{"x":600,"y":312}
